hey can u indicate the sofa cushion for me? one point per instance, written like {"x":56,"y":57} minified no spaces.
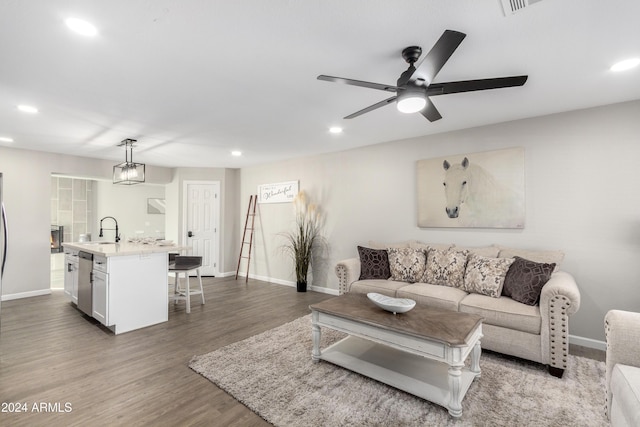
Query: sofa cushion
{"x":503,"y":312}
{"x":488,"y":251}
{"x":436,"y":296}
{"x":381,"y":245}
{"x":419,"y":245}
{"x":406,"y":264}
{"x":384,"y":287}
{"x":374,"y":263}
{"x":485,"y":275}
{"x":525,"y":279}
{"x":625,"y":388}
{"x":445,"y":267}
{"x":548,"y":257}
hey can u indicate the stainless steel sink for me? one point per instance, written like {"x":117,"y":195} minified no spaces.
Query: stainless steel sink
{"x":99,"y":243}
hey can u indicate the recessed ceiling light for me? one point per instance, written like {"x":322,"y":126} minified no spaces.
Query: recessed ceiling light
{"x":27,"y":109}
{"x":5,"y":139}
{"x":81,"y":27}
{"x":627,"y":64}
{"x":335,"y":129}
{"x":236,"y":153}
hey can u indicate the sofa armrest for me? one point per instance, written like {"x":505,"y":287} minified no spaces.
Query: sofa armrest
{"x":561,"y":285}
{"x":348,"y":271}
{"x":559,"y":299}
{"x":622,"y":331}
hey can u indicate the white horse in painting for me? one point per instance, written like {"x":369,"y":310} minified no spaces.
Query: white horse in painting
{"x":475,"y":197}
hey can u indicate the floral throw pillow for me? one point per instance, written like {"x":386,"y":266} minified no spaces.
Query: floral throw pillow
{"x":374,"y":263}
{"x":486,"y":275}
{"x":446,"y":267}
{"x":406,"y":264}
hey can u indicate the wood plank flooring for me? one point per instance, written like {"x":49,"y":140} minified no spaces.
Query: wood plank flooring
{"x":51,"y":354}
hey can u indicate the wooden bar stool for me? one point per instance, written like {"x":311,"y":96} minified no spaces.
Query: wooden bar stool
{"x":185,"y":264}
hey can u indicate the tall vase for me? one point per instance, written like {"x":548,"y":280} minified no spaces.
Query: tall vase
{"x":301,"y":278}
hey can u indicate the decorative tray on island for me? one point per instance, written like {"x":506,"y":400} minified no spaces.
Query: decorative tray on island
{"x":394,"y":305}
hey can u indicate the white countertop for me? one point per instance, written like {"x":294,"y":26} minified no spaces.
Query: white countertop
{"x":108,"y":249}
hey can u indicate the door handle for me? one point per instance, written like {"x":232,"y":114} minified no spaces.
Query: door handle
{"x":190,"y":234}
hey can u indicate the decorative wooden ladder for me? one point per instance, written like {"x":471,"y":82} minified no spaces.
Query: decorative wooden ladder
{"x":251,"y":212}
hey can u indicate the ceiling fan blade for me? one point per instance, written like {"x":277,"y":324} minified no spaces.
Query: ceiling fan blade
{"x":473,"y":85}
{"x":388,"y":88}
{"x":430,"y":112}
{"x":372,"y":107}
{"x":439,"y":54}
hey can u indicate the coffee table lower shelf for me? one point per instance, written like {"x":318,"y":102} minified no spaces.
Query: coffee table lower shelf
{"x":420,"y":376}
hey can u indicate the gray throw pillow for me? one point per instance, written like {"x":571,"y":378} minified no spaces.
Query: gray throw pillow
{"x":374,"y":263}
{"x":525,"y":279}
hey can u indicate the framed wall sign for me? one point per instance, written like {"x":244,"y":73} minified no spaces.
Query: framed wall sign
{"x":280,"y":192}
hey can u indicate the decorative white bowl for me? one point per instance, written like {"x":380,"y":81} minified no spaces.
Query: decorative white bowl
{"x":394,"y":305}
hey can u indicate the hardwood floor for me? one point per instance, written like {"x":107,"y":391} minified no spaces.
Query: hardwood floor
{"x":51,"y":354}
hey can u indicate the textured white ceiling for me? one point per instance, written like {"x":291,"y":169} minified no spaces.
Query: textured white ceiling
{"x":194,"y":79}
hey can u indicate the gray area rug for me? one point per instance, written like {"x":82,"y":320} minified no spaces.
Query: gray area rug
{"x":272,"y":374}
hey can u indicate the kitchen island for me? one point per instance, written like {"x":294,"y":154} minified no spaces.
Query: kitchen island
{"x":124,"y":286}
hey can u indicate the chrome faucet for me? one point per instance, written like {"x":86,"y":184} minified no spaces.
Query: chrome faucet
{"x":116,"y":229}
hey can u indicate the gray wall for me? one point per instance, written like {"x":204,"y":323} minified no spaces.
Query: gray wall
{"x":128,"y":205}
{"x":229,"y":189}
{"x":581,"y":179}
{"x":27,"y":197}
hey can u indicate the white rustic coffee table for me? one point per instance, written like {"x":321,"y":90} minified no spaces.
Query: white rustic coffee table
{"x":422,"y":352}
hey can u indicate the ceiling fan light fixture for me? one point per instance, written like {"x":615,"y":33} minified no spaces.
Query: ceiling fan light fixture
{"x":411,"y":102}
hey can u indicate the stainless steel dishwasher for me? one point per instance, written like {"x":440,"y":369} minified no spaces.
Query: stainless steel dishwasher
{"x":85,"y":287}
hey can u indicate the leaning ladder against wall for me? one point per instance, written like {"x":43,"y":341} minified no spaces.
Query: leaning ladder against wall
{"x":251,"y":212}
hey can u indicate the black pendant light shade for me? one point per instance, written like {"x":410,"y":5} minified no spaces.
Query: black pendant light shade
{"x":129,"y":172}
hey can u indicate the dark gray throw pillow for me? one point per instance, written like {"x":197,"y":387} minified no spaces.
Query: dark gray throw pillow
{"x":374,"y":263}
{"x":525,"y":279}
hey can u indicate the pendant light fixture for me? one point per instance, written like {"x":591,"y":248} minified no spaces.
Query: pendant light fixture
{"x":129,"y":172}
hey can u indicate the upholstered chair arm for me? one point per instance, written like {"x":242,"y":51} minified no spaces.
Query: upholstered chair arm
{"x":622,"y":331}
{"x":559,"y":299}
{"x":348,"y":271}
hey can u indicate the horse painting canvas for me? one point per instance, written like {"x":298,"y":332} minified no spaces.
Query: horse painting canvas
{"x":484,"y":190}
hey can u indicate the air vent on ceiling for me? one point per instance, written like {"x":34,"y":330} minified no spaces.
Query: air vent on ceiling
{"x":509,"y":7}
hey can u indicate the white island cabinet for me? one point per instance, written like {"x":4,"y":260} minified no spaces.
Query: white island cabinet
{"x":71,"y":274}
{"x":129,"y":284}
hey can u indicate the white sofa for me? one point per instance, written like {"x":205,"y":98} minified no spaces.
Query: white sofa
{"x":622,"y":329}
{"x":539,"y":333}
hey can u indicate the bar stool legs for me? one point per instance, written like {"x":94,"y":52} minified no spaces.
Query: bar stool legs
{"x":186,"y":292}
{"x":185,"y":264}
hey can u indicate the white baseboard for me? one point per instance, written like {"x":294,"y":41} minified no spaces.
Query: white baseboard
{"x":289,"y":283}
{"x":324,"y":290}
{"x":588,"y":342}
{"x":226,"y":274}
{"x":26,"y":294}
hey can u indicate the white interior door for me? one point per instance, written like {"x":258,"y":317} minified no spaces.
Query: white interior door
{"x":202,"y":223}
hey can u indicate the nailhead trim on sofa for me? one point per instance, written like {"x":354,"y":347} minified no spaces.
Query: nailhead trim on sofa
{"x":559,"y":340}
